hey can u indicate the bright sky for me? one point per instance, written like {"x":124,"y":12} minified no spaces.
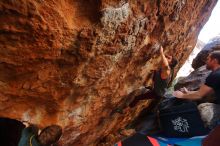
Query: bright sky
{"x":212,"y":27}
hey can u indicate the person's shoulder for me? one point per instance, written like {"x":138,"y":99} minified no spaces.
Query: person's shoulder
{"x":213,"y":79}
{"x":27,"y":130}
{"x":216,"y":74}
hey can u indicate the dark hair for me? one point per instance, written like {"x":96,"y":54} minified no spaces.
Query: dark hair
{"x":215,"y":55}
{"x":173,"y":63}
{"x":34,"y":129}
{"x":50,"y":135}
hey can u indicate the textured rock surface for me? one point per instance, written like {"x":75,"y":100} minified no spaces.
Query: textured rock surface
{"x":194,"y":80}
{"x":213,"y":44}
{"x":72,"y":62}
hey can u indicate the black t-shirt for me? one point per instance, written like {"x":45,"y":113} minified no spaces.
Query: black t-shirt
{"x":213,"y":81}
{"x":160,"y":85}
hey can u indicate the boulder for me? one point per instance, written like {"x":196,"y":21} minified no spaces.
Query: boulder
{"x":194,"y":80}
{"x":200,"y":59}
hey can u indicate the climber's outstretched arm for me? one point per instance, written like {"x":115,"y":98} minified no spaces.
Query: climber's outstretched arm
{"x":165,"y":69}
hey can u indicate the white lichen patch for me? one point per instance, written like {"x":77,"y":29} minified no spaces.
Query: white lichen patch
{"x":112,"y":17}
{"x":26,"y":116}
{"x":139,"y":25}
{"x":77,"y":115}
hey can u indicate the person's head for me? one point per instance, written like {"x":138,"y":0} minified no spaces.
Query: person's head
{"x":171,"y":60}
{"x":50,"y":135}
{"x":213,"y":60}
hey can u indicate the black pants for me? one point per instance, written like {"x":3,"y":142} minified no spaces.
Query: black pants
{"x":148,"y":95}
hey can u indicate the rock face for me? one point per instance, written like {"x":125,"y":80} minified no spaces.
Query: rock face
{"x":73,"y":62}
{"x":194,"y":80}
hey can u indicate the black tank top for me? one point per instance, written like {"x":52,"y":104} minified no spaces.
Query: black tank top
{"x":160,"y":85}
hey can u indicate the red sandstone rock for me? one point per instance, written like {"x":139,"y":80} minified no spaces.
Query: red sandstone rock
{"x":73,"y":62}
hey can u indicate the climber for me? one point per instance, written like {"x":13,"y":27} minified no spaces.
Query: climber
{"x":212,"y":85}
{"x":162,"y":79}
{"x":46,"y":137}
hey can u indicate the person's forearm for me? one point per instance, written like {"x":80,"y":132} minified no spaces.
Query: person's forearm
{"x":164,"y":61}
{"x":192,"y":95}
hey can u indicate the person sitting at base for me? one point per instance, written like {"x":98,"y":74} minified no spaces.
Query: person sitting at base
{"x":47,"y":136}
{"x":212,"y":85}
{"x":162,"y":79}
